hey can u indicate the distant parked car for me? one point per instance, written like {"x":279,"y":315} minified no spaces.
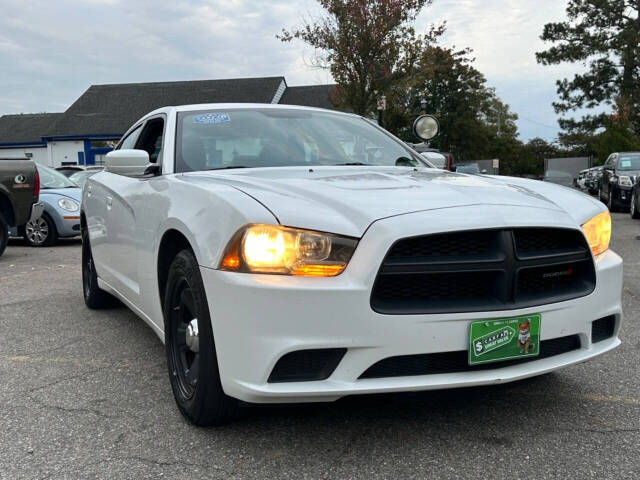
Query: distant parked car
{"x":423,"y":148}
{"x":61,"y":218}
{"x":619,"y":175}
{"x":80,"y":178}
{"x":68,"y":170}
{"x":592,"y":180}
{"x":581,"y":179}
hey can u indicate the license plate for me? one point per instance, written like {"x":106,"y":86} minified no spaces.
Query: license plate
{"x":504,"y":339}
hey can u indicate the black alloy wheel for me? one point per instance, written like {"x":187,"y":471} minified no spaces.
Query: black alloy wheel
{"x":94,"y":296}
{"x":190,"y":347}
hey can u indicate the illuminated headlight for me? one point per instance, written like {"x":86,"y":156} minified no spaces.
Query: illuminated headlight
{"x":287,"y":251}
{"x":625,"y":181}
{"x":598,"y":232}
{"x":68,"y":205}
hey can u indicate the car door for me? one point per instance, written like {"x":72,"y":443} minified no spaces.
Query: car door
{"x":98,"y":205}
{"x":122,"y":198}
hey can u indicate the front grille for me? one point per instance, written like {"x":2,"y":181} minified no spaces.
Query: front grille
{"x":483,"y":270}
{"x":456,"y":362}
{"x":306,"y":365}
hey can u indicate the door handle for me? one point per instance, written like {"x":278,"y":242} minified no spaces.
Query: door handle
{"x":109,"y":202}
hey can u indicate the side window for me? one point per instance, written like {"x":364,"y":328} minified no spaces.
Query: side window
{"x":130,"y":140}
{"x":151,"y":139}
{"x":614,"y":161}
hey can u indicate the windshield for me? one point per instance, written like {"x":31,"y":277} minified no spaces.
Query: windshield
{"x":629,"y":162}
{"x":50,"y":178}
{"x":242,"y":138}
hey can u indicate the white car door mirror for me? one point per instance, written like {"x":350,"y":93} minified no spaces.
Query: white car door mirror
{"x":128,"y":162}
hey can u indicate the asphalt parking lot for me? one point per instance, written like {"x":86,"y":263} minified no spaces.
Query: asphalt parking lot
{"x":85,"y":394}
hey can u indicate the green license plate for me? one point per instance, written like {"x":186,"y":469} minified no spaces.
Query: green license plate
{"x":504,"y":339}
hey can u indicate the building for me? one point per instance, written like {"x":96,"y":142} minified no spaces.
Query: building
{"x":92,"y":126}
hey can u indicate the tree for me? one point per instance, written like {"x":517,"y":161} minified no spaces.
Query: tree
{"x":368,"y":45}
{"x":474,"y":122}
{"x":605,"y":35}
{"x":616,"y":138}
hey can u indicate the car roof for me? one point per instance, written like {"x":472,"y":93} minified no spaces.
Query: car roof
{"x":239,"y":106}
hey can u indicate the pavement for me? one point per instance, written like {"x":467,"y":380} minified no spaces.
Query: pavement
{"x":85,"y":394}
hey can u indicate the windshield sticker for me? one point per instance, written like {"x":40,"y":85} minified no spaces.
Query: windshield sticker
{"x":211,"y":118}
{"x":625,"y":163}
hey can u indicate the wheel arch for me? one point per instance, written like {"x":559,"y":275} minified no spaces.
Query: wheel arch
{"x":173,"y":242}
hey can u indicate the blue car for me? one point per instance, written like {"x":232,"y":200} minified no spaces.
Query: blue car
{"x":61,"y":217}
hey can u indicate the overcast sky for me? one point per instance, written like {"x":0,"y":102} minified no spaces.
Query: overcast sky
{"x":52,"y":50}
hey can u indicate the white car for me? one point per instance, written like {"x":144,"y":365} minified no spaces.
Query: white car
{"x":290,"y":254}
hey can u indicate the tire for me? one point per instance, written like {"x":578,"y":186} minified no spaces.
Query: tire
{"x":610,"y":203}
{"x":94,"y":297}
{"x":600,"y":197}
{"x":633,"y":209}
{"x":41,"y":232}
{"x":191,"y":358}
{"x":4,"y":234}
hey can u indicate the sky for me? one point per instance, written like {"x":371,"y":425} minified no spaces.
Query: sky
{"x":52,"y":50}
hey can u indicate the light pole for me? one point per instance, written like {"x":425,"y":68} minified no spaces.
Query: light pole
{"x":423,"y":105}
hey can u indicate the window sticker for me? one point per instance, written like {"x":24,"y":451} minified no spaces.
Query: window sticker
{"x":625,"y":163}
{"x":211,"y":118}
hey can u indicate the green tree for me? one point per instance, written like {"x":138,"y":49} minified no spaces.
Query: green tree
{"x":474,"y":122}
{"x":368,"y":46}
{"x":616,"y":138}
{"x":605,"y":36}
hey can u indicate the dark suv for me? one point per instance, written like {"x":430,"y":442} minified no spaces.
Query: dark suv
{"x":618,"y":178}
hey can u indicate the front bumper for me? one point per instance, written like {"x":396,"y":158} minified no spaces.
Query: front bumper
{"x":259,"y":318}
{"x":622,"y":195}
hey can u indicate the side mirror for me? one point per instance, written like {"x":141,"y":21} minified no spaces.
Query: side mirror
{"x":426,"y":127}
{"x":128,"y":162}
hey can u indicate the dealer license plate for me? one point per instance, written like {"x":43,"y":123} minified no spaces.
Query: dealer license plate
{"x":504,"y":339}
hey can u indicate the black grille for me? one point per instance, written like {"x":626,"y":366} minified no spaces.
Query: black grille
{"x":603,"y":328}
{"x":455,"y":362}
{"x":483,"y":270}
{"x":306,"y":365}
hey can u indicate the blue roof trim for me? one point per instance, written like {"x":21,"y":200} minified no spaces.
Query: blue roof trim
{"x":23,"y":144}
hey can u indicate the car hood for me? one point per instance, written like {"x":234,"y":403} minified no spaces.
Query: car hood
{"x":347,"y":200}
{"x":74,"y":193}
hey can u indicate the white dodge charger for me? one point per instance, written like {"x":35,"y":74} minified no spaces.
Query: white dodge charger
{"x":290,"y":254}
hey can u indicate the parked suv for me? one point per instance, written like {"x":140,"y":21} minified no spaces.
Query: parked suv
{"x":618,"y":177}
{"x":19,"y":189}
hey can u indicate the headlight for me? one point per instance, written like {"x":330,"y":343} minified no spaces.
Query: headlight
{"x":598,"y":232}
{"x":625,"y":181}
{"x":287,"y":251}
{"x":68,"y":205}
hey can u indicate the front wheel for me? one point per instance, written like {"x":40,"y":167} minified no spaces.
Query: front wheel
{"x":41,"y":231}
{"x":190,"y":348}
{"x":610,"y":203}
{"x":635,"y":212}
{"x":94,"y":296}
